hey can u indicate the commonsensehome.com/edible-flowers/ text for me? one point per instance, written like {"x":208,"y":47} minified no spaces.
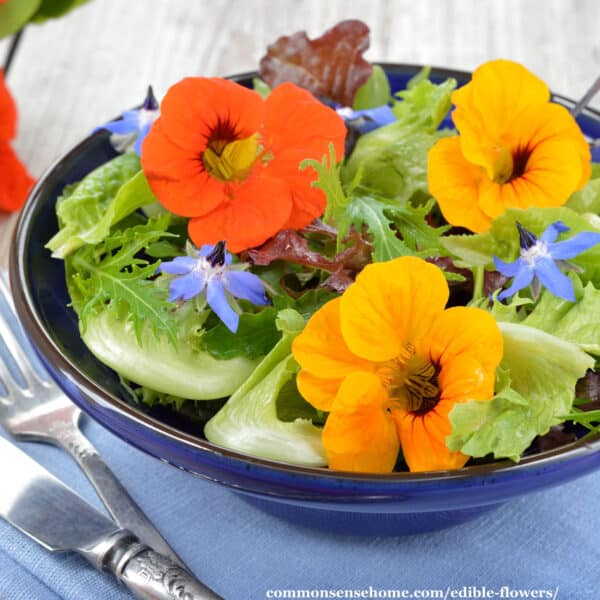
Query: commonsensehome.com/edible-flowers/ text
{"x":464,"y":592}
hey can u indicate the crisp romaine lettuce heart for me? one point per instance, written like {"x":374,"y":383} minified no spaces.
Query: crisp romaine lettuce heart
{"x":248,"y":422}
{"x":183,"y":371}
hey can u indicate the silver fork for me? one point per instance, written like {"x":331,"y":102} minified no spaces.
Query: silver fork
{"x":33,"y":408}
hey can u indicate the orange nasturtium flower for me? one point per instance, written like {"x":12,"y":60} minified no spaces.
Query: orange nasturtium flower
{"x":515,"y":149}
{"x":15,"y":181}
{"x":229,"y":160}
{"x":388,"y":363}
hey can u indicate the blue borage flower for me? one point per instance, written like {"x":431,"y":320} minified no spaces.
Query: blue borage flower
{"x":212,"y":273}
{"x":134,"y":125}
{"x":367,"y":120}
{"x":541,"y":258}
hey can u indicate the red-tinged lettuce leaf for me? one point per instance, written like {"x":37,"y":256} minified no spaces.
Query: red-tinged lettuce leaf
{"x":588,"y":388}
{"x":291,"y":247}
{"x":330,"y":67}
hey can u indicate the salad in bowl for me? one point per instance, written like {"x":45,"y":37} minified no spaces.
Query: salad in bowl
{"x":327,"y":272}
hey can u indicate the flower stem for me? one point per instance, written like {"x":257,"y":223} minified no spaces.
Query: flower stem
{"x":478,"y":282}
{"x":12,"y":50}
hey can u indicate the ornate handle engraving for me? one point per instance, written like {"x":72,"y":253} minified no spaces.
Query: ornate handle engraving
{"x":148,"y":574}
{"x":159,"y":577}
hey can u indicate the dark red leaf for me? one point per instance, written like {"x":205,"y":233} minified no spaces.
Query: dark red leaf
{"x":338,"y":281}
{"x":588,"y":387}
{"x":331,"y":67}
{"x":290,"y":246}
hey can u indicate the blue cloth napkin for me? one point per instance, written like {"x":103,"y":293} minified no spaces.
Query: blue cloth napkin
{"x":540,"y":542}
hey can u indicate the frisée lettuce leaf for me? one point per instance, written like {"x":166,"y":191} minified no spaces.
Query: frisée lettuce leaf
{"x":112,"y":276}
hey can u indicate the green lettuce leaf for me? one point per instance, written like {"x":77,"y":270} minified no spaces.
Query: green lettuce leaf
{"x":502,"y":239}
{"x":255,"y":336}
{"x":543,"y":371}
{"x":587,"y":199}
{"x":248,"y":422}
{"x":423,"y":105}
{"x":183,"y":372}
{"x":384,"y":220}
{"x":261,"y":87}
{"x":364,"y":210}
{"x":576,"y":322}
{"x":375,"y":92}
{"x":87,"y":211}
{"x":111,"y":276}
{"x":291,"y":405}
{"x":391,"y":162}
{"x":329,"y":181}
{"x":507,"y":313}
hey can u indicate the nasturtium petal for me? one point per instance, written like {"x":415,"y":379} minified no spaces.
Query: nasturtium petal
{"x":422,"y":440}
{"x":465,"y":377}
{"x":318,"y":391}
{"x":8,"y":112}
{"x":266,"y":206}
{"x":15,"y":180}
{"x":359,"y":434}
{"x":454,"y":183}
{"x":175,"y":177}
{"x":504,"y":88}
{"x":515,"y":149}
{"x":463,"y":330}
{"x":294,"y":114}
{"x":194,"y":105}
{"x":321,"y":350}
{"x":390,"y":305}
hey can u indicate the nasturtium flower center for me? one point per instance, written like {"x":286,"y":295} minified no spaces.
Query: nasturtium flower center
{"x":502,"y":165}
{"x":508,"y":164}
{"x":231,"y":160}
{"x":411,"y":381}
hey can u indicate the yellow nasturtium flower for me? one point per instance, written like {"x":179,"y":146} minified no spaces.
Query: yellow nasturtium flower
{"x":515,"y":149}
{"x":388,"y":362}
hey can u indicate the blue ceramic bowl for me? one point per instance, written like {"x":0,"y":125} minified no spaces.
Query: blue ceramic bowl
{"x":394,"y":504}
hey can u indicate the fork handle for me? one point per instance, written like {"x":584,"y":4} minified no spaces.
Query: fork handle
{"x":148,"y":574}
{"x":115,"y":497}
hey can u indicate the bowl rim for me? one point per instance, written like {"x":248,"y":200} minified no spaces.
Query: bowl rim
{"x":50,"y":350}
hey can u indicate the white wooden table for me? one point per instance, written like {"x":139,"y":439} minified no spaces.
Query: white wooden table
{"x":74,"y":73}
